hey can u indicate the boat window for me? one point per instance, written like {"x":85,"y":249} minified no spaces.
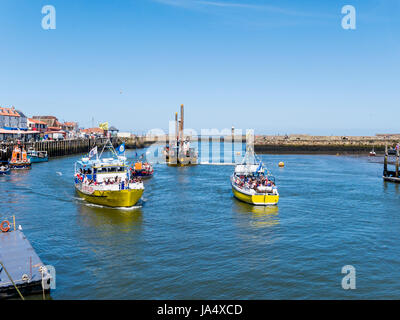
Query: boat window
{"x":112,"y":169}
{"x":121,"y":169}
{"x":102,"y":170}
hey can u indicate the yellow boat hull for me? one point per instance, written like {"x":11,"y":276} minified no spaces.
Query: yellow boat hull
{"x":257,"y":199}
{"x":119,"y":198}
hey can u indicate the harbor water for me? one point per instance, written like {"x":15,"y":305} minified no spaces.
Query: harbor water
{"x":190,"y":239}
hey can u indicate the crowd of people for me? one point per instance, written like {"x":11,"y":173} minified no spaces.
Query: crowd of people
{"x":89,"y":180}
{"x":257,"y":183}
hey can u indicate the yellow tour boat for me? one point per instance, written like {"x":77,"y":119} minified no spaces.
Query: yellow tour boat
{"x":107,"y":181}
{"x":252,"y":183}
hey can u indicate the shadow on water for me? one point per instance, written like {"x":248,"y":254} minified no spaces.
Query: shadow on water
{"x":256,"y":216}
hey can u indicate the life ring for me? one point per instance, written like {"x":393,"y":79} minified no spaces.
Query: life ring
{"x":3,"y":228}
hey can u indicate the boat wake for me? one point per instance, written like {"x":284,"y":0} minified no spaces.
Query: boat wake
{"x":115,"y":208}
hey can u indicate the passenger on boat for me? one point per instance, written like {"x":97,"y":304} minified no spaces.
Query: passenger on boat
{"x":255,"y":183}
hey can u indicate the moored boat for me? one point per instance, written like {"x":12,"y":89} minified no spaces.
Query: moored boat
{"x":141,"y":169}
{"x":4,"y":167}
{"x":372,"y":153}
{"x":37,"y":156}
{"x":107,"y":181}
{"x":179,"y":153}
{"x":19,"y":159}
{"x":252,"y":183}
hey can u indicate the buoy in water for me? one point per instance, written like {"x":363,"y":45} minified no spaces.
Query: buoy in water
{"x":281,"y":164}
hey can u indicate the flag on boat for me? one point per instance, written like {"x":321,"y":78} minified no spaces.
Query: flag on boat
{"x":93,"y":152}
{"x":121,"y":148}
{"x":259,"y":167}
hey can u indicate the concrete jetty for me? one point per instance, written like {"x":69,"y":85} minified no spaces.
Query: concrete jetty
{"x":324,"y":144}
{"x":303,"y":143}
{"x":20,"y":267}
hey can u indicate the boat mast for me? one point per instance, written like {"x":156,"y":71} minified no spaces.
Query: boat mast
{"x":109,"y":146}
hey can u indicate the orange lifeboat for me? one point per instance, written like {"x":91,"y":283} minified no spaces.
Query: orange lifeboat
{"x":19,"y":159}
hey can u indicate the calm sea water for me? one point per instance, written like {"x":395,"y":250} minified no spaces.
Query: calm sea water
{"x":190,"y":239}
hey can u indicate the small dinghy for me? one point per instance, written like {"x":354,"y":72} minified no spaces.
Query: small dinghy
{"x":4,"y":167}
{"x":372,"y":153}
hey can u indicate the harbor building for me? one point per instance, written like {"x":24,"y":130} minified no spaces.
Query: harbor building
{"x":14,"y":125}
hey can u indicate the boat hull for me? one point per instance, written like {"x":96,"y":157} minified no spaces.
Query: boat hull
{"x":38,"y":159}
{"x":256,"y":199}
{"x":181,"y":162}
{"x":5,"y":172}
{"x":391,"y":179}
{"x":119,"y":198}
{"x":20,"y":166}
{"x":142,"y":175}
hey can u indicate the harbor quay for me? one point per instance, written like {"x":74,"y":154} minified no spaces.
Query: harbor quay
{"x":56,"y":148}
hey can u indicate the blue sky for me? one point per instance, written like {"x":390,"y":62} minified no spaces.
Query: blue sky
{"x":274,"y":66}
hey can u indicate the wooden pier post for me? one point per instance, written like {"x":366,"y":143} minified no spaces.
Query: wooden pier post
{"x":182,"y":137}
{"x":385,"y":162}
{"x":176,"y":127}
{"x":397,"y":162}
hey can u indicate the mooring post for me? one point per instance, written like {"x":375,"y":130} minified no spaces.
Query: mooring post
{"x":182,"y":137}
{"x":385,"y":161}
{"x":233,"y":144}
{"x":397,"y":161}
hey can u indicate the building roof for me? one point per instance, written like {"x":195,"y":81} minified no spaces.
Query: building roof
{"x":70,"y":124}
{"x":93,"y":130}
{"x":13,"y":131}
{"x":11,"y":112}
{"x":36,"y":121}
{"x":45,"y":117}
{"x":54,"y":128}
{"x":21,"y":113}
